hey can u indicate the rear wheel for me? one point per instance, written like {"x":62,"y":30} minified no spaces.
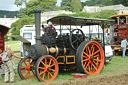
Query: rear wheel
{"x":46,"y":68}
{"x":90,"y":57}
{"x":26,"y":69}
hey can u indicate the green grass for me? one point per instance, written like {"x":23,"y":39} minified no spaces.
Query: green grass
{"x":15,"y":45}
{"x":116,"y":66}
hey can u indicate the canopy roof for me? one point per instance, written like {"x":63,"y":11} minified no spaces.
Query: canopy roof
{"x":4,"y":29}
{"x":119,"y":15}
{"x":68,"y":20}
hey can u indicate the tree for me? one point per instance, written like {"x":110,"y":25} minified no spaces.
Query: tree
{"x":20,"y":2}
{"x":39,"y":4}
{"x":22,"y":13}
{"x":66,"y":5}
{"x":16,"y":26}
{"x":76,"y":5}
{"x":105,"y":2}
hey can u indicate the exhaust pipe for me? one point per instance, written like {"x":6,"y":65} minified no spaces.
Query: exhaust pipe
{"x":37,"y":25}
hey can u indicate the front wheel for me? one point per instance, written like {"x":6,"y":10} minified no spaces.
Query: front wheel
{"x":26,"y":69}
{"x":46,"y":68}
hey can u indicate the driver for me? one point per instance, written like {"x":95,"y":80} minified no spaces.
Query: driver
{"x":50,"y":29}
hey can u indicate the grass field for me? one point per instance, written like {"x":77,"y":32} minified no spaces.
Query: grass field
{"x":15,"y":45}
{"x":116,"y":66}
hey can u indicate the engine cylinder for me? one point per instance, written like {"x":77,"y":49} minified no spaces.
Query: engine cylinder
{"x":38,"y":50}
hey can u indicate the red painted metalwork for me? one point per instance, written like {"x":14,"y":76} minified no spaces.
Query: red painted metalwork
{"x":3,"y":32}
{"x":120,"y":32}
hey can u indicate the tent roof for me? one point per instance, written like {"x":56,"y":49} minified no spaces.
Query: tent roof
{"x":68,"y":20}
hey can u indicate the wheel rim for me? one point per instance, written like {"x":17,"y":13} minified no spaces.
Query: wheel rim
{"x":92,"y":58}
{"x":47,"y":69}
{"x":26,"y":69}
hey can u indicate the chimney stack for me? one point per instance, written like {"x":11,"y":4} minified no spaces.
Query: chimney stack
{"x":37,"y":25}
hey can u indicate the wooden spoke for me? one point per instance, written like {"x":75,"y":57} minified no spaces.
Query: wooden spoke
{"x":96,"y":56}
{"x":26,"y":74}
{"x":85,"y":60}
{"x":96,"y":52}
{"x":52,"y":69}
{"x":41,"y":68}
{"x":50,"y":62}
{"x":43,"y":63}
{"x":25,"y":63}
{"x":97,"y":60}
{"x":94,"y":66}
{"x":85,"y":54}
{"x":42,"y":72}
{"x":23,"y":70}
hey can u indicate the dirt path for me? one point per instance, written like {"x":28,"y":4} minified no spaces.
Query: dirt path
{"x":103,"y":80}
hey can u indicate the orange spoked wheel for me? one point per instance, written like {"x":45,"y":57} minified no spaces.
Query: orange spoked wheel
{"x":90,"y":57}
{"x":46,"y":68}
{"x":26,"y":69}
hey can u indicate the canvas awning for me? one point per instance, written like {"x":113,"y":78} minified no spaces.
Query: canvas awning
{"x":22,"y":39}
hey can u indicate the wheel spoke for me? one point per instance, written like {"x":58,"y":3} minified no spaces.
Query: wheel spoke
{"x":85,"y":60}
{"x":94,"y":66}
{"x":33,"y":73}
{"x":91,"y":67}
{"x":89,"y":50}
{"x":96,"y":56}
{"x":46,"y":61}
{"x":84,"y":64}
{"x":97,"y":60}
{"x":27,"y":74}
{"x":95,"y":63}
{"x":25,"y":63}
{"x":52,"y":65}
{"x":92,"y":49}
{"x":52,"y":69}
{"x":86,"y":54}
{"x":43,"y":75}
{"x":87,"y":65}
{"x":50,"y":62}
{"x":96,"y":52}
{"x":42,"y":72}
{"x":41,"y":68}
{"x":23,"y":67}
{"x":23,"y":70}
{"x":50,"y":74}
{"x":29,"y":61}
{"x":43,"y":63}
{"x":75,"y":40}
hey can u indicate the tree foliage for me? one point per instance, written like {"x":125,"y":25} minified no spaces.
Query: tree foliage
{"x":66,"y":5}
{"x":76,"y":5}
{"x":16,"y":26}
{"x":20,"y":2}
{"x":39,"y":4}
{"x":9,"y":14}
{"x":104,"y":14}
{"x":105,"y":2}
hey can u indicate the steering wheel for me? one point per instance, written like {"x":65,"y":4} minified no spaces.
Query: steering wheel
{"x":77,"y":36}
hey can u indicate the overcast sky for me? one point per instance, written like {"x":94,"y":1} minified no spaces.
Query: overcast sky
{"x":9,"y":5}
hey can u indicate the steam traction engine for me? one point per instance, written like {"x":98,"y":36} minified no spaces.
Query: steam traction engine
{"x":68,"y":51}
{"x":120,"y":31}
